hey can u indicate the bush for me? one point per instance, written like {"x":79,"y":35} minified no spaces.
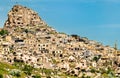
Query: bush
{"x":36,"y":76}
{"x":3,"y":32}
{"x":28,"y":69}
{"x":1,"y":76}
{"x":15,"y":72}
{"x":92,"y":70}
{"x":48,"y":77}
{"x":75,"y":36}
{"x":47,"y":71}
{"x":96,"y":58}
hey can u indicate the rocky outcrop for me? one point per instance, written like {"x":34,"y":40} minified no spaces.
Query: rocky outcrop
{"x":22,"y":16}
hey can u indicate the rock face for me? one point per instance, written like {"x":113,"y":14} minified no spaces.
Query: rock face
{"x":22,"y":16}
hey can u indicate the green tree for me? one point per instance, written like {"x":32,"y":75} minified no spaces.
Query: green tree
{"x":3,"y":32}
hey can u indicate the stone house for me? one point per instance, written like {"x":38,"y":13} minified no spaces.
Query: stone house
{"x":6,"y":47}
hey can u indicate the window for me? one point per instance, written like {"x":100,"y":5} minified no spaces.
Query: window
{"x":46,"y":45}
{"x":18,"y":23}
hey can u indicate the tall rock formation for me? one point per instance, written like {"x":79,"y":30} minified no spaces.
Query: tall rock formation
{"x":22,"y":16}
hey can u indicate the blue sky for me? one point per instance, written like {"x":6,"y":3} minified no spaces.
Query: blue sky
{"x":96,"y":19}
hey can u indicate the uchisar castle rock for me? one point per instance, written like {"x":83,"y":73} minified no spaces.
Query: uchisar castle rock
{"x":26,"y":40}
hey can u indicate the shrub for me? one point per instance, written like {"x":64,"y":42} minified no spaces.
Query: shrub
{"x":3,"y":32}
{"x":15,"y":72}
{"x":92,"y":70}
{"x":26,"y":31}
{"x":47,"y":71}
{"x":48,"y":77}
{"x":96,"y":58}
{"x":28,"y":69}
{"x":75,"y":36}
{"x":36,"y":76}
{"x":1,"y":76}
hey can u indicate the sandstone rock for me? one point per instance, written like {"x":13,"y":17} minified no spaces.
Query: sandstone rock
{"x":22,"y":16}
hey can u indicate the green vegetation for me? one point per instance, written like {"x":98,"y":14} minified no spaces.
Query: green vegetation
{"x":92,"y":70}
{"x":1,"y":76}
{"x":52,"y":32}
{"x":3,"y":32}
{"x":21,"y":70}
{"x":47,"y":71}
{"x":28,"y":69}
{"x":15,"y":72}
{"x":36,"y":76}
{"x":96,"y":58}
{"x":62,"y":33}
{"x":75,"y":36}
{"x":26,"y":31}
{"x":4,"y":67}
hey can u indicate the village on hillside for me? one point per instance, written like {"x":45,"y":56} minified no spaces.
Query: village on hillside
{"x":27,"y":39}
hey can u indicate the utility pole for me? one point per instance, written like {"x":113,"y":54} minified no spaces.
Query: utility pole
{"x":114,"y":53}
{"x":116,"y":48}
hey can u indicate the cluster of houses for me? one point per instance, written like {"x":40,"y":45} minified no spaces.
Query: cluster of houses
{"x":41,"y":46}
